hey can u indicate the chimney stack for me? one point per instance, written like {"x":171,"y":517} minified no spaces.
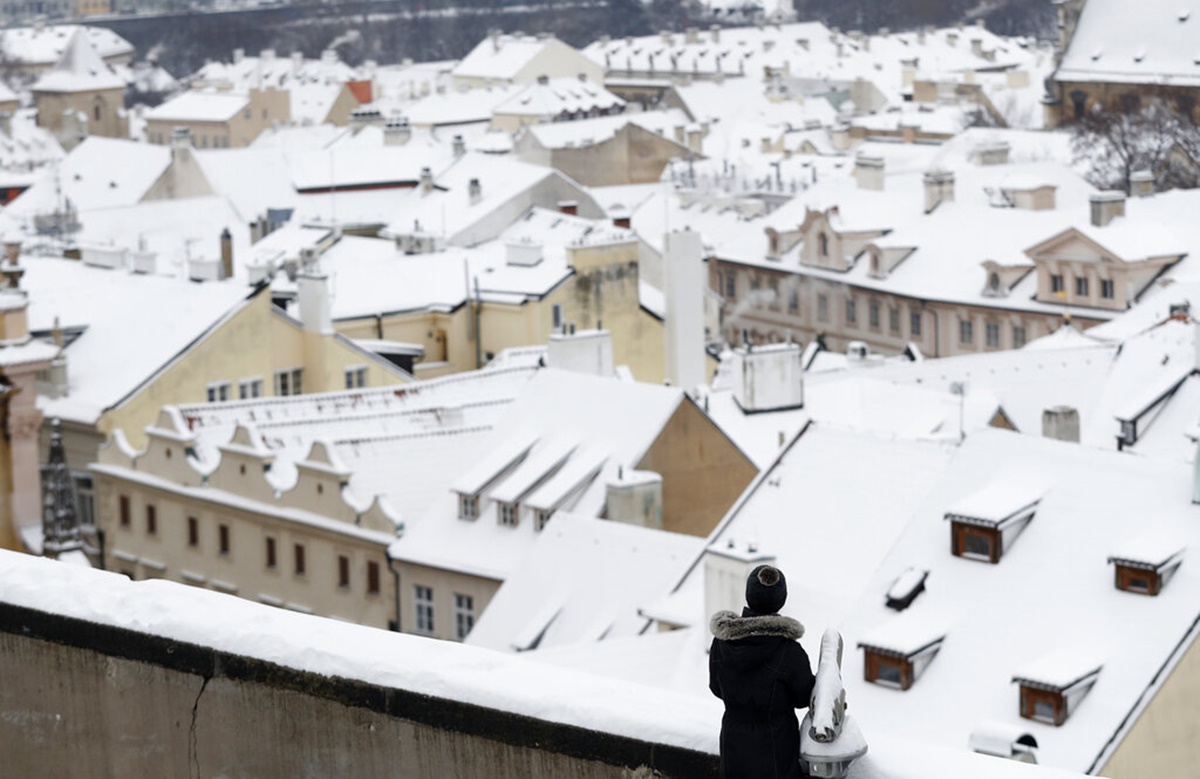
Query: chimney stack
{"x":582,"y":351}
{"x":1106,"y":206}
{"x":869,"y":172}
{"x":397,"y":132}
{"x":458,"y":146}
{"x":226,"y":254}
{"x":474,"y":191}
{"x":1061,"y":423}
{"x":1141,"y":183}
{"x":768,"y":377}
{"x":727,"y":566}
{"x":685,"y":280}
{"x":635,"y":498}
{"x":939,"y":188}
{"x":714,"y":32}
{"x":426,"y":180}
{"x":312,"y":293}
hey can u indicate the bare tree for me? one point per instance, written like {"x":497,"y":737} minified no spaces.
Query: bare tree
{"x":1154,"y":138}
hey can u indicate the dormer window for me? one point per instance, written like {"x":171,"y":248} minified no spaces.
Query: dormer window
{"x":509,"y":514}
{"x":1053,"y":687}
{"x":541,"y":517}
{"x":984,"y":524}
{"x":468,"y":506}
{"x":822,"y":245}
{"x":896,"y":654}
{"x":1145,"y":565}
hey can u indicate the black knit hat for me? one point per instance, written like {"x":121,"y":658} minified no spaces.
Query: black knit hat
{"x":766,"y":590}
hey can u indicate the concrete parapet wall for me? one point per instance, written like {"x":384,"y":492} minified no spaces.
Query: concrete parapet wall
{"x":82,"y":699}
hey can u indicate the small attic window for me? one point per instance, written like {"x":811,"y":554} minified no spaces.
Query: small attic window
{"x":897,"y":654}
{"x":1145,"y":565}
{"x":541,"y":517}
{"x":1053,"y":688}
{"x":510,"y":514}
{"x":985,"y":524}
{"x":468,"y":506}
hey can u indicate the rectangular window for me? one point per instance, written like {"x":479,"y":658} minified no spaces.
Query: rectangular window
{"x":1018,"y":336}
{"x":873,"y":315}
{"x":223,"y":538}
{"x":250,"y":388}
{"x":464,"y":615}
{"x":894,"y":320}
{"x":793,"y":302}
{"x":556,"y":318}
{"x":1056,"y":282}
{"x":1081,"y":286}
{"x":914,"y":324}
{"x":423,"y":601}
{"x":730,"y":286}
{"x":509,"y":513}
{"x":343,"y":571}
{"x":289,"y":382}
{"x":372,"y":577}
{"x":218,"y":392}
{"x":851,"y":312}
{"x":822,"y":307}
{"x":540,"y":518}
{"x":468,"y":506}
{"x":193,"y":532}
{"x":888,"y":673}
{"x":1106,"y":289}
{"x":85,"y":500}
{"x":151,"y":521}
{"x":966,"y":331}
{"x":271,"y":561}
{"x":124,"y":510}
{"x":298,"y":559}
{"x":991,"y":333}
{"x":356,"y":377}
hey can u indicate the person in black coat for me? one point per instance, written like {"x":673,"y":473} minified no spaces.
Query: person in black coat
{"x":756,"y":666}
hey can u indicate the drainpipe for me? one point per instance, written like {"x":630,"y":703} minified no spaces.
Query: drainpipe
{"x":937,"y":331}
{"x":478,"y":335}
{"x":379,"y":326}
{"x":396,"y":580}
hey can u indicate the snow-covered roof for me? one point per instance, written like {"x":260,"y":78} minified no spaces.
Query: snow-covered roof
{"x":585,"y":132}
{"x":839,"y":573}
{"x":171,"y":313}
{"x":600,"y":571}
{"x":622,"y":420}
{"x":447,"y":670}
{"x":79,"y":69}
{"x":559,"y":96}
{"x":45,"y":45}
{"x":98,"y":173}
{"x":458,"y":107}
{"x":503,"y":57}
{"x":197,"y":106}
{"x":268,"y":70}
{"x":1156,"y":45}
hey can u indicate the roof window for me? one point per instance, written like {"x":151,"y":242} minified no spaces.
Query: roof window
{"x":896,"y":654}
{"x":985,"y":524}
{"x":1053,"y":686}
{"x":906,"y":588}
{"x":1146,"y":564}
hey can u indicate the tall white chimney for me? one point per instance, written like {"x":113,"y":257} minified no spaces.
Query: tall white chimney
{"x":727,"y":565}
{"x":869,"y":172}
{"x":684,"y":282}
{"x":312,"y":295}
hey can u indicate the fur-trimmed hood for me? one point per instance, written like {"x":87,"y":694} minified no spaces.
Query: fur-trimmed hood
{"x":728,"y":626}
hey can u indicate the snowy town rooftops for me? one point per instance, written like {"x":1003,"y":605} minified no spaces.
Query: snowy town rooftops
{"x":504,"y":57}
{"x":1060,"y":669}
{"x":197,"y":106}
{"x":584,"y":132}
{"x":1008,"y":498}
{"x":270,"y":70}
{"x":905,"y":635}
{"x":43,"y":46}
{"x":474,"y":676}
{"x":555,"y":96}
{"x":79,"y":69}
{"x":1157,"y":45}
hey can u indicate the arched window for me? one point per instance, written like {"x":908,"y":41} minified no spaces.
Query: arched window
{"x":96,"y":112}
{"x":993,"y":282}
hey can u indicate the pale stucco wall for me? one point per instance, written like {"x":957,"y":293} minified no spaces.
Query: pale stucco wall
{"x":166,"y":554}
{"x":445,"y":584}
{"x":1163,"y":740}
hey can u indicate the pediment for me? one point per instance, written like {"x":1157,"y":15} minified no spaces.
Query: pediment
{"x":1071,"y":244}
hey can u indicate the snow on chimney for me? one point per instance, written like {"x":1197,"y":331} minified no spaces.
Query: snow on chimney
{"x":581,"y":351}
{"x":226,"y":254}
{"x":993,"y":153}
{"x":396,"y":132}
{"x":474,"y":191}
{"x":727,"y":565}
{"x":1106,"y":206}
{"x":685,"y":281}
{"x":768,"y":378}
{"x":458,"y":146}
{"x":426,"y":180}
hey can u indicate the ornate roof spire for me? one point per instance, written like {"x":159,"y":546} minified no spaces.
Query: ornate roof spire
{"x":60,"y":520}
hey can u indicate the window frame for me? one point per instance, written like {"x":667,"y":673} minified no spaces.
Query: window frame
{"x":193,"y":532}
{"x":423,"y":611}
{"x":270,"y":553}
{"x":343,"y":571}
{"x":1032,"y":696}
{"x":218,"y":391}
{"x":1108,"y":289}
{"x":464,"y":615}
{"x":224,"y":539}
{"x":374,"y":575}
{"x":1081,"y":286}
{"x":915,"y":324}
{"x":961,"y":532}
{"x":124,"y":511}
{"x":289,"y":382}
{"x":508,"y":514}
{"x":355,"y":376}
{"x":1057,"y":282}
{"x":468,"y":506}
{"x":250,"y":388}
{"x":299,"y":560}
{"x":874,"y":661}
{"x":991,"y":335}
{"x":151,"y":519}
{"x":966,"y":332}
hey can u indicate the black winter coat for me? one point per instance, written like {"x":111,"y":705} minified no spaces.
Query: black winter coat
{"x":757,"y":667}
